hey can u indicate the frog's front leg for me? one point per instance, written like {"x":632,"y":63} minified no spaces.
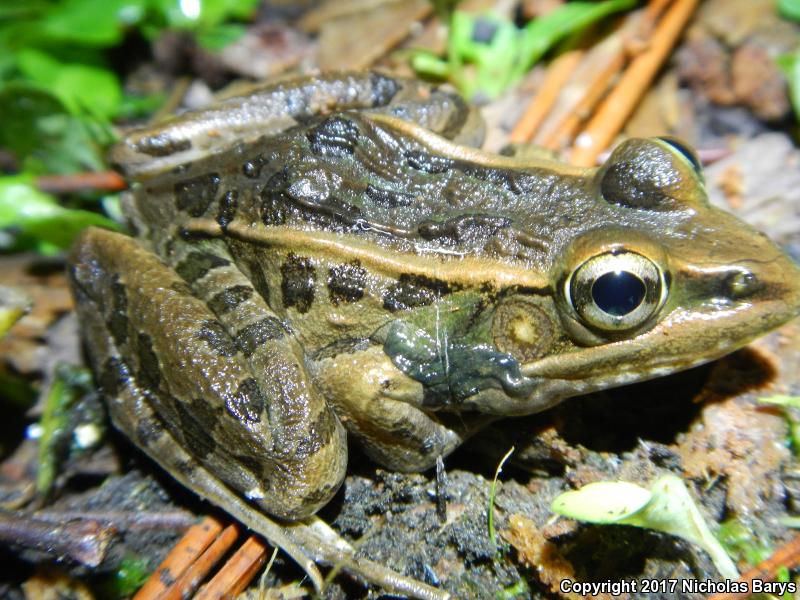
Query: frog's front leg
{"x":383,"y":408}
{"x":228,"y":389}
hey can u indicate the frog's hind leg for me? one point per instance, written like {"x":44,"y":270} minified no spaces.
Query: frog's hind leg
{"x":232,"y":390}
{"x":102,"y":307}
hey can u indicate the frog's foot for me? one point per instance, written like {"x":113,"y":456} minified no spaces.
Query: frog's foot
{"x":384,"y":409}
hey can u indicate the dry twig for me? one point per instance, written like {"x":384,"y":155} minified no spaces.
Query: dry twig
{"x":617,"y":107}
{"x":102,"y":181}
{"x":196,"y":539}
{"x":236,"y":574}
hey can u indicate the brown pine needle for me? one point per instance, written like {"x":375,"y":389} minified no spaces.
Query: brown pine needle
{"x":557,"y":76}
{"x":190,"y":580}
{"x":196,"y":539}
{"x":102,"y":181}
{"x":619,"y":104}
{"x":237,"y":573}
{"x":559,"y":132}
{"x":787,"y":556}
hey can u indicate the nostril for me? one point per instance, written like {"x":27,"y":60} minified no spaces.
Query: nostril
{"x":742,"y":284}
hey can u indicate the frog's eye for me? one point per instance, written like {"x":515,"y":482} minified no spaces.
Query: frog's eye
{"x":616,"y":291}
{"x":685,"y":151}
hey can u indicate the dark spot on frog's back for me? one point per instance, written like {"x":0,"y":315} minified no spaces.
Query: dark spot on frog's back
{"x":196,"y":194}
{"x":457,"y":227}
{"x":428,"y":163}
{"x":249,"y":402}
{"x":118,"y":319}
{"x":197,"y":264}
{"x":228,"y":299}
{"x":148,"y":430}
{"x":114,"y":376}
{"x":388,"y":198}
{"x":162,"y":145}
{"x":214,"y":334}
{"x":412,"y":291}
{"x":254,"y":466}
{"x":228,"y":206}
{"x":149,"y":374}
{"x":198,"y":419}
{"x":259,"y":280}
{"x":319,"y":434}
{"x":346,"y":282}
{"x":252,"y":168}
{"x":251,"y":337}
{"x":298,"y":277}
{"x":274,"y":199}
{"x":335,"y":135}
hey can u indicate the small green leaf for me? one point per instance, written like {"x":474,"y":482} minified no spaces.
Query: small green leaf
{"x":781,"y":400}
{"x":34,"y":216}
{"x":13,"y":306}
{"x":741,"y":542}
{"x":602,"y":502}
{"x":198,"y":15}
{"x":789,"y":9}
{"x":666,"y":507}
{"x":426,"y":63}
{"x":80,"y":87}
{"x":69,"y":384}
{"x":44,"y":137}
{"x":541,"y":34}
{"x":97,"y":23}
{"x":790,"y":65}
{"x":219,"y":36}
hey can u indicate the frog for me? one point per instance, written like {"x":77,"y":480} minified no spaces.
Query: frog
{"x":335,"y":256}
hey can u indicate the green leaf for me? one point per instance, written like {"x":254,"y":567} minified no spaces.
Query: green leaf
{"x":542,"y":34}
{"x":667,"y":506}
{"x":789,"y":9}
{"x":215,"y":12}
{"x":35,"y":217}
{"x":602,"y":502}
{"x":44,"y":137}
{"x":781,"y":400}
{"x":487,"y":53}
{"x":69,"y":384}
{"x":200,"y":14}
{"x":23,"y":10}
{"x":84,"y":22}
{"x":219,"y":36}
{"x":13,"y":306}
{"x":79,"y":86}
{"x":427,"y":63}
{"x":790,"y":65}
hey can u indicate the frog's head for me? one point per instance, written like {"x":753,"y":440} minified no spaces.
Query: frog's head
{"x":666,"y":283}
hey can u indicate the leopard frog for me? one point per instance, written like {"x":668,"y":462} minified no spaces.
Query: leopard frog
{"x":334,"y":254}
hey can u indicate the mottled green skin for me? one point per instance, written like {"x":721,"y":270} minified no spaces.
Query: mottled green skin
{"x":296,"y":274}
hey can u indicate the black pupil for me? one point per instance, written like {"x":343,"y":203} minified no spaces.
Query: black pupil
{"x":618,"y":292}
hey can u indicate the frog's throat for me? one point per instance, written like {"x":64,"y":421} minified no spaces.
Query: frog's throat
{"x":468,"y":271}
